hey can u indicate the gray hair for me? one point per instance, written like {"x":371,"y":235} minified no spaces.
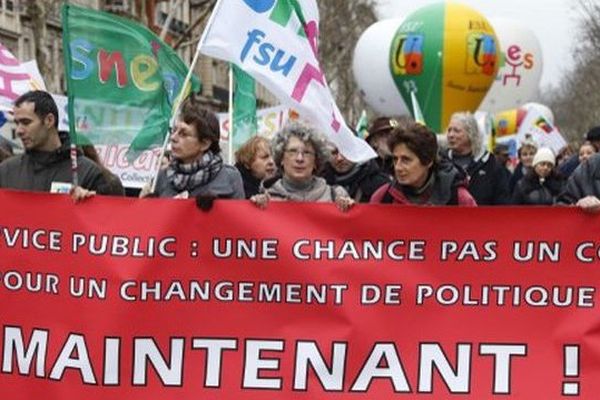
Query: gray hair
{"x":306,"y":134}
{"x":470,"y":124}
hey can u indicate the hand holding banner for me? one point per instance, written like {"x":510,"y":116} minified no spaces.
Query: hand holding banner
{"x":153,"y":299}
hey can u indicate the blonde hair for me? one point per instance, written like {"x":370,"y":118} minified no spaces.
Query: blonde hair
{"x":247,"y":153}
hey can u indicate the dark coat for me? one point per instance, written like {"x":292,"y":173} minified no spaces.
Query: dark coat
{"x":360,"y":184}
{"x":227,"y":184}
{"x":488,"y":183}
{"x":516,"y":176}
{"x":251,"y":183}
{"x":531,"y":191}
{"x":583,"y":182}
{"x":569,"y":166}
{"x":37,"y":170}
{"x":447,"y":187}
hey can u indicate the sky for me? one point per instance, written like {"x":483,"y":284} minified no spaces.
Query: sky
{"x":553,"y":21}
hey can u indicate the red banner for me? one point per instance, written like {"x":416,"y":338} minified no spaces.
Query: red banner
{"x":154,"y":299}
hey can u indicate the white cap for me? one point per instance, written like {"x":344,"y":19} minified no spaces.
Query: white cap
{"x":544,"y":154}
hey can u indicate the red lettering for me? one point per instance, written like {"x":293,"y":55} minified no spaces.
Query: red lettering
{"x":514,"y":53}
{"x":106,"y":62}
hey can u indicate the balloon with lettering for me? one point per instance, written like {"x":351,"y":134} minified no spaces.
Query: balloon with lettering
{"x":447,"y":54}
{"x":370,"y":66}
{"x":521,"y":67}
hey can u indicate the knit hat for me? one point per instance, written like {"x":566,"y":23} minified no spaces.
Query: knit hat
{"x":544,"y":154}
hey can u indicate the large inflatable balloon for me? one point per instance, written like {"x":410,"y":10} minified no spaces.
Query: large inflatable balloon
{"x":446,"y":53}
{"x":520,"y":67}
{"x":371,"y":68}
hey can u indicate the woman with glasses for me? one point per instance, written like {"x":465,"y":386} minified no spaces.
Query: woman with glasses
{"x":300,"y":153}
{"x":196,"y":167}
{"x":419,"y":176}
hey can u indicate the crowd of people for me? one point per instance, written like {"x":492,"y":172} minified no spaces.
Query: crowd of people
{"x":299,"y":164}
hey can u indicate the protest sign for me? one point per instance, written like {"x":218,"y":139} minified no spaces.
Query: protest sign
{"x":153,"y":298}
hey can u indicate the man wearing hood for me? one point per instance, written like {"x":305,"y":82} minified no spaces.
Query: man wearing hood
{"x":488,"y":183}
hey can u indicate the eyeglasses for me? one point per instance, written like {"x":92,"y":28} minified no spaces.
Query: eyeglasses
{"x":294,"y":153}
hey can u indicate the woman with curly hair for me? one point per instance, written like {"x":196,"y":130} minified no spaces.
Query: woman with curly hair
{"x":300,"y":153}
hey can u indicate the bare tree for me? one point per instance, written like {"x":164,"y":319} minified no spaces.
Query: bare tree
{"x":342,"y":23}
{"x":38,"y":12}
{"x":576,"y":103}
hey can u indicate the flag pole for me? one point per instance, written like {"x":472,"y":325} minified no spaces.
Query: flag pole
{"x":230,"y":112}
{"x":179,"y":98}
{"x":72,"y":126}
{"x":176,"y":107}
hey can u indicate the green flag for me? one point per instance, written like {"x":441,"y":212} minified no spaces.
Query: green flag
{"x":122,"y":80}
{"x":362,"y":125}
{"x":244,"y":108}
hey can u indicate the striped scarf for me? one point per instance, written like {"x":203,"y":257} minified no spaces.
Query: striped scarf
{"x":199,"y":173}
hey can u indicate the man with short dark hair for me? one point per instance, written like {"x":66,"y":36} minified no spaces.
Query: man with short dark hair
{"x":46,"y":164}
{"x":502,"y":155}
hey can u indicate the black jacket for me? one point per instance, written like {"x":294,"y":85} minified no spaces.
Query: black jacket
{"x":251,"y":183}
{"x":516,"y":176}
{"x":583,"y":182}
{"x":531,"y":191}
{"x":488,"y":182}
{"x":360,"y":183}
{"x":37,"y":170}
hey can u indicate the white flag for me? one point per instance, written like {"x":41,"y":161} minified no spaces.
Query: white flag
{"x":545,"y":134}
{"x":276,"y":43}
{"x":17,"y":78}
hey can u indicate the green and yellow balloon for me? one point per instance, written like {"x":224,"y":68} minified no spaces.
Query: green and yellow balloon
{"x":447,"y":54}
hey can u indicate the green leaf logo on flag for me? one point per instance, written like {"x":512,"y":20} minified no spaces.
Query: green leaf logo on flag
{"x":122,"y":80}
